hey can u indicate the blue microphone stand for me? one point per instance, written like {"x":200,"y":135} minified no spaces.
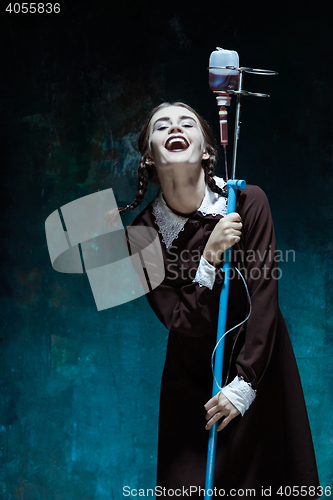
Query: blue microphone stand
{"x":233,"y":186}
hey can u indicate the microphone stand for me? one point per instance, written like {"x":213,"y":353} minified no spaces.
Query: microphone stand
{"x":233,"y":186}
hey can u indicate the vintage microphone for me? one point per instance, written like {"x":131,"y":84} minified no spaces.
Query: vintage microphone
{"x":225,"y":77}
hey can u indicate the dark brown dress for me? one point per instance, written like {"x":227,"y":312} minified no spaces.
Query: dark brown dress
{"x":270,"y":446}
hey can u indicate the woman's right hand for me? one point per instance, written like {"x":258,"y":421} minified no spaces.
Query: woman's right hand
{"x":226,"y":233}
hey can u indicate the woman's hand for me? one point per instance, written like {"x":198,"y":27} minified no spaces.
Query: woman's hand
{"x":217,"y":407}
{"x":226,"y":233}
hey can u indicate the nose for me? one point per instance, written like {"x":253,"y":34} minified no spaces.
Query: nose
{"x":175,"y":128}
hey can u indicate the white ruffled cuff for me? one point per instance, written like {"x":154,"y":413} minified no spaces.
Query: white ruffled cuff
{"x":205,"y":274}
{"x":240,"y":394}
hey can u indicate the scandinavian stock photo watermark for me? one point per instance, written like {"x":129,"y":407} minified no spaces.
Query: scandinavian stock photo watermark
{"x":123,"y":265}
{"x":253,"y":264}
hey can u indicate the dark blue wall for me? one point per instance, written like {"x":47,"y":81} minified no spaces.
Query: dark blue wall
{"x":80,"y":388}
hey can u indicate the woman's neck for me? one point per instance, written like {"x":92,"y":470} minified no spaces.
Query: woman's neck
{"x":183,"y":191}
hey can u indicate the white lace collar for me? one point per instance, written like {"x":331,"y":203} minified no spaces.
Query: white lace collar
{"x":170,"y":224}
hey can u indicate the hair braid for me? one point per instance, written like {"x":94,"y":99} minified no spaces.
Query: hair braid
{"x":142,"y":185}
{"x":110,"y":216}
{"x":208,"y":167}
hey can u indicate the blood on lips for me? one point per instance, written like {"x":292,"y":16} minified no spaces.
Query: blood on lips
{"x":176,"y":143}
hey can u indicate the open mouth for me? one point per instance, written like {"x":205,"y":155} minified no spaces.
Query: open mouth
{"x":176,"y":143}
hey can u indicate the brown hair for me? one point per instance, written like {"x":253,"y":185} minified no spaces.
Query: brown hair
{"x":147,"y":171}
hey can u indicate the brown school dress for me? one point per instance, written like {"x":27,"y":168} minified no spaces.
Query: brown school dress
{"x":269,"y":448}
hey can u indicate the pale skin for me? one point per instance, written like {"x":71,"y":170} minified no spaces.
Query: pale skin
{"x":182,"y":181}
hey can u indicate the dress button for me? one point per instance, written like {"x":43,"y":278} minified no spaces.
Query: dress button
{"x":218,"y":279}
{"x":200,"y":248}
{"x":197,"y":224}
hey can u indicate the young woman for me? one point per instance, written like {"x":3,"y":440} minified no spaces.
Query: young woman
{"x":265,"y":444}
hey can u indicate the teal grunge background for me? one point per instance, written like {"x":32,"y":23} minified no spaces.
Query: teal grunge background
{"x":80,"y":388}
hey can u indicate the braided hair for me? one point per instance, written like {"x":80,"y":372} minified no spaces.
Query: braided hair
{"x":147,"y":171}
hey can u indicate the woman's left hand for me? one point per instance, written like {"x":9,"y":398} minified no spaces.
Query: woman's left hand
{"x":217,"y":407}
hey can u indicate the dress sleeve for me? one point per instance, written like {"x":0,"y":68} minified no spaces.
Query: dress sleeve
{"x":261,"y":275}
{"x":205,"y":274}
{"x":190,"y":309}
{"x":240,"y":393}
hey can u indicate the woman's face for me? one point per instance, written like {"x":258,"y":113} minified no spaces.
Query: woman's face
{"x":175,"y":137}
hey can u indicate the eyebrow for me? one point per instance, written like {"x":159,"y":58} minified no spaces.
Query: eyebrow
{"x":167,"y":119}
